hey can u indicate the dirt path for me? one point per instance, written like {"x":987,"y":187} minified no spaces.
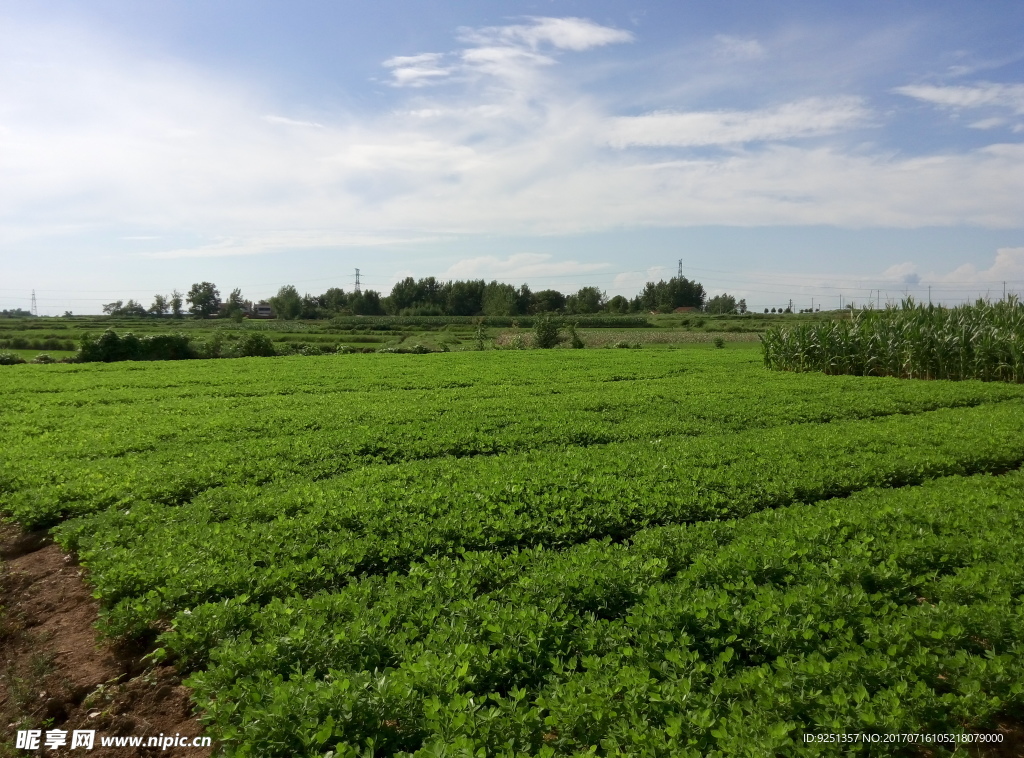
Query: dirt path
{"x":55,"y":673}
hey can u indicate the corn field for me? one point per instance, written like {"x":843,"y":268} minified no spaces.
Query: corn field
{"x":913,"y":341}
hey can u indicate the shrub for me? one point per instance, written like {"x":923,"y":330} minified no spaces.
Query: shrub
{"x":10,"y":359}
{"x":574,"y":338}
{"x":719,"y":343}
{"x":546,"y":333}
{"x":255,"y":345}
{"x":43,"y":358}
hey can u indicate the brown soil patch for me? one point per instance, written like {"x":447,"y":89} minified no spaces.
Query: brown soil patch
{"x":56,"y":673}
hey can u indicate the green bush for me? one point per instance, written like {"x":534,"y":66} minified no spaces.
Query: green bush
{"x":255,"y":345}
{"x":109,"y":347}
{"x":574,"y":338}
{"x":546,"y":332}
{"x":9,"y":359}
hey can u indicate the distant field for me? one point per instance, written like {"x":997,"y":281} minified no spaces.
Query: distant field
{"x":436,"y":333}
{"x":636,"y":552}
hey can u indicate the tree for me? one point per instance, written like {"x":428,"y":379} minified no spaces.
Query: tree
{"x":334,"y":300}
{"x":500,"y":299}
{"x":724,"y":303}
{"x":741,"y":306}
{"x":204,"y":298}
{"x":367,"y":303}
{"x":131,"y":308}
{"x":618,"y":304}
{"x":235,"y":304}
{"x":113,"y":308}
{"x":465,"y":298}
{"x":287,"y":303}
{"x":176,"y":304}
{"x":547,"y":301}
{"x":667,"y":296}
{"x":587,"y":300}
{"x":160,"y":306}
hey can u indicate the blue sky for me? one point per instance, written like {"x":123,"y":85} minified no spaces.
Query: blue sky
{"x":780,"y":149}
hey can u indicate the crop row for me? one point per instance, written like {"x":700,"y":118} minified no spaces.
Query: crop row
{"x":886,"y":612}
{"x":111,"y":436}
{"x":982,"y":341}
{"x":151,"y":561}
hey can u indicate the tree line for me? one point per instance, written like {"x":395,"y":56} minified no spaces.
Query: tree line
{"x":432,"y":297}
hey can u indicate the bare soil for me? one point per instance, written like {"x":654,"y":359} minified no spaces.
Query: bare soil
{"x":57,"y":673}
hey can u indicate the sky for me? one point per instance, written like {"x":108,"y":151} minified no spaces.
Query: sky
{"x":780,"y":150}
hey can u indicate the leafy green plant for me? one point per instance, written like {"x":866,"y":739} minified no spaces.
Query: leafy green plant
{"x":574,"y":339}
{"x":914,"y":341}
{"x":546,"y":331}
{"x":254,"y":344}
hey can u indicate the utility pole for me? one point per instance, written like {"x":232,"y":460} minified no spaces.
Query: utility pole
{"x":812,"y":305}
{"x":929,"y":294}
{"x":791,"y":305}
{"x":679,"y":270}
{"x":35,"y":309}
{"x":878,"y":298}
{"x":357,"y":283}
{"x":840,"y":301}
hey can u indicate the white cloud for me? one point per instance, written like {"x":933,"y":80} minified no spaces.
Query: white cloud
{"x":902,"y":273}
{"x":1007,"y":266}
{"x":96,"y":138}
{"x":282,"y":242}
{"x":505,"y":52}
{"x":805,"y":118}
{"x":982,"y":94}
{"x":291,"y":122}
{"x":988,"y":123}
{"x":737,"y":49}
{"x":417,"y":70}
{"x":575,"y":34}
{"x":520,"y":266}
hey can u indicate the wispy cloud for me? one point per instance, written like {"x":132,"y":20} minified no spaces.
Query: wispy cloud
{"x":506,"y":52}
{"x":520,"y":266}
{"x":806,"y":118}
{"x":283,"y":242}
{"x":563,"y":33}
{"x":417,"y":70}
{"x":291,"y":122}
{"x":982,"y":94}
{"x":737,"y":48}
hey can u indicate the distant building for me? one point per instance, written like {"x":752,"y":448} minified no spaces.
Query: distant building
{"x":262,"y":310}
{"x":686,"y":309}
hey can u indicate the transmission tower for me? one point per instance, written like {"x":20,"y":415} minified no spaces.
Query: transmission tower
{"x":357,"y":282}
{"x":35,"y":308}
{"x":679,"y":270}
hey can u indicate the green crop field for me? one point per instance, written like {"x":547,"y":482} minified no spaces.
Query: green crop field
{"x":545,"y":552}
